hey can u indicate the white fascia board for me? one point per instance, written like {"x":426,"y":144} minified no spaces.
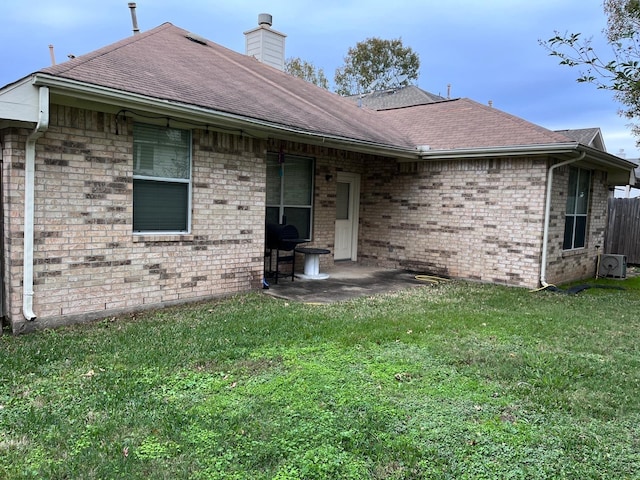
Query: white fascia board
{"x":19,"y":102}
{"x":619,"y":169}
{"x":595,"y":155}
{"x":133,"y":101}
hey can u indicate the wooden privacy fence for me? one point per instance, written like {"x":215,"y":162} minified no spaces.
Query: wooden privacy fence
{"x":623,"y":229}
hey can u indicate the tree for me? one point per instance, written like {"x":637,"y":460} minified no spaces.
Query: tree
{"x":619,"y":74}
{"x":306,"y":71}
{"x":377,"y":64}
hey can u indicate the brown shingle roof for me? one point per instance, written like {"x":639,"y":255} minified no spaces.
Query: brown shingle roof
{"x":163,"y":63}
{"x":463,"y":124}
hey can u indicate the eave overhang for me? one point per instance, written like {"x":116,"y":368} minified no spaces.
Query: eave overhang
{"x":121,"y":100}
{"x":619,"y":170}
{"x":113,"y":100}
{"x":19,"y":103}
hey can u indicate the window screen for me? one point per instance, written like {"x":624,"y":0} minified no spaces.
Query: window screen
{"x":575,"y":225}
{"x":161,"y":179}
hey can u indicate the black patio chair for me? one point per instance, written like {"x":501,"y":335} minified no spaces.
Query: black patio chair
{"x":280,"y":245}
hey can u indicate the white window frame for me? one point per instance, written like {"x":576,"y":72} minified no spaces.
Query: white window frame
{"x":574,"y":214}
{"x":281,"y":205}
{"x":173,"y":180}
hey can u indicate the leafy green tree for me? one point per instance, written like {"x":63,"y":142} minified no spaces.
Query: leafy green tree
{"x":377,"y":64}
{"x":619,"y":74}
{"x":307,"y":71}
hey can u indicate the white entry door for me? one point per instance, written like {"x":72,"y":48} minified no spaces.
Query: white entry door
{"x":347,"y":207}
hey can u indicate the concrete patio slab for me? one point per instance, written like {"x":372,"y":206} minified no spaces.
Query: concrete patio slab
{"x":346,"y":281}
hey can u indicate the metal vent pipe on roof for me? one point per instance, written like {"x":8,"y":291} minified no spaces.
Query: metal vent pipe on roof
{"x":265,"y":19}
{"x":134,"y":19}
{"x":52,"y":55}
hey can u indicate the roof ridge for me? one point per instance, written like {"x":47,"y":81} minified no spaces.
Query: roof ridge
{"x":435,"y":102}
{"x":265,"y":78}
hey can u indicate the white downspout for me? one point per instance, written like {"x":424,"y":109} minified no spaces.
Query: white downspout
{"x":547,"y":213}
{"x":29,"y":201}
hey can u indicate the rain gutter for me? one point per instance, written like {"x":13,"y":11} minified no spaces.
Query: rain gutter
{"x":427,"y":153}
{"x":547,"y":214}
{"x":602,"y":159}
{"x":29,"y":201}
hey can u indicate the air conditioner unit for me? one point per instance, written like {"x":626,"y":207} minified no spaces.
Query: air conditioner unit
{"x":613,"y":266}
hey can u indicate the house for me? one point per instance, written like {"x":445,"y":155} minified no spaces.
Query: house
{"x":142,"y":175}
{"x":631,"y":189}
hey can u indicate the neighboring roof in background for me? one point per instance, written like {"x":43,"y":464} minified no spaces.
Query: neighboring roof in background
{"x":395,"y":98}
{"x":591,"y":137}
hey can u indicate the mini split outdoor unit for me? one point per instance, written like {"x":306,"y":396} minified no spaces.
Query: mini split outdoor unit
{"x":613,"y":266}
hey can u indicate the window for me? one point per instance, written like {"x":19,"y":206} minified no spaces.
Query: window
{"x":575,"y":224}
{"x":342,"y":200}
{"x":290,"y":191}
{"x":161,"y":179}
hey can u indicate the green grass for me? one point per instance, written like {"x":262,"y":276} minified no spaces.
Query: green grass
{"x":447,"y":381}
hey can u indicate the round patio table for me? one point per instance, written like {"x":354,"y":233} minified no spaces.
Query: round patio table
{"x":312,"y":263}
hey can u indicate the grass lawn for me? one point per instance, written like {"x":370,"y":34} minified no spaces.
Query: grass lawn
{"x":455,"y":380}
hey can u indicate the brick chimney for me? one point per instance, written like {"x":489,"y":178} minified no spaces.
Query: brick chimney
{"x":264,"y":43}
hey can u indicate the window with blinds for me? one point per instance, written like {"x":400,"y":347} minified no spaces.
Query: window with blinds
{"x":290,"y":191}
{"x":161,"y":179}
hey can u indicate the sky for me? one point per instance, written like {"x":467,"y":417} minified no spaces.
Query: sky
{"x":486,"y":50}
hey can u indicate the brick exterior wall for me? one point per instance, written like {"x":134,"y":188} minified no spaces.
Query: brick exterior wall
{"x":479,"y":219}
{"x":88,"y":264}
{"x":476,"y":219}
{"x":13,"y":145}
{"x":565,"y":266}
